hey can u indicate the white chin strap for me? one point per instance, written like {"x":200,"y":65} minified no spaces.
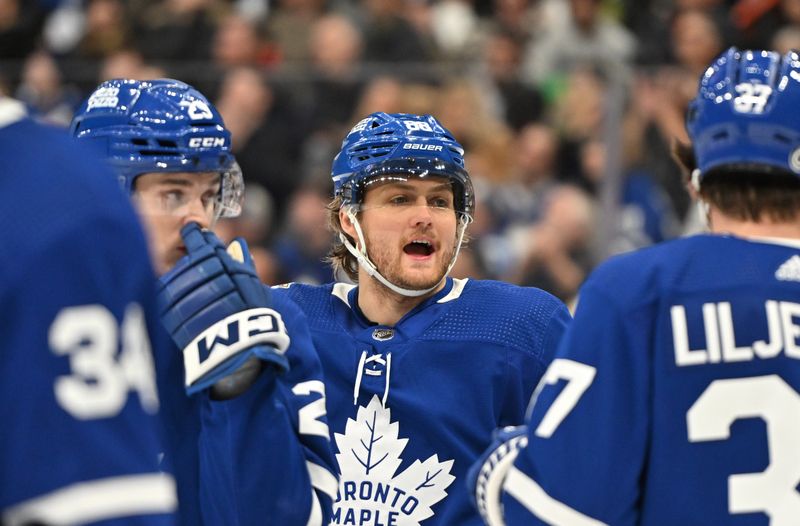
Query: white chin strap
{"x":372,"y":270}
{"x":702,"y":206}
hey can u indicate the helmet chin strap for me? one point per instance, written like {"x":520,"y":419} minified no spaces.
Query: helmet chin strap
{"x":702,"y":205}
{"x":372,"y":270}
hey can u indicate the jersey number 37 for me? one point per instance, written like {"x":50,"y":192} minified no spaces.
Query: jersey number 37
{"x":769,"y":397}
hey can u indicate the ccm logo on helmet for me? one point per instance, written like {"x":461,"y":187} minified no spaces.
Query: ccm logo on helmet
{"x":206,"y":142}
{"x":417,"y":146}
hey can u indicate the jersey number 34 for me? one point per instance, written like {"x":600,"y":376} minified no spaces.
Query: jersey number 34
{"x":107,"y":360}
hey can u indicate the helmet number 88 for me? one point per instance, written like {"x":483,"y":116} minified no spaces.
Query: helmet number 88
{"x":418,"y":126}
{"x":100,"y":376}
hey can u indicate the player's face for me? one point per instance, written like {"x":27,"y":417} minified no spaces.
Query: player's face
{"x":168,"y":201}
{"x":410,"y":230}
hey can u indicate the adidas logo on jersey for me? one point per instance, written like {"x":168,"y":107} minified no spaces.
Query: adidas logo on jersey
{"x":790,"y":270}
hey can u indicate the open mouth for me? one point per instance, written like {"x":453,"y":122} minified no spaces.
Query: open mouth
{"x":419,"y":248}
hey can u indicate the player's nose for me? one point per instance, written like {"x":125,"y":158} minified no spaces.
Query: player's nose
{"x":421,"y":214}
{"x":197,"y":211}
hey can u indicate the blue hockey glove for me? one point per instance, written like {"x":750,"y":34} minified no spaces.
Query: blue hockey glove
{"x":218,"y":311}
{"x":486,"y":476}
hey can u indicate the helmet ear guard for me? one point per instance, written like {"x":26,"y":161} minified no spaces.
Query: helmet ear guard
{"x":746,"y":115}
{"x":162,"y":125}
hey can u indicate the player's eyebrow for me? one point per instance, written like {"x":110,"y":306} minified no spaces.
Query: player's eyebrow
{"x":400,"y":185}
{"x":179,"y":181}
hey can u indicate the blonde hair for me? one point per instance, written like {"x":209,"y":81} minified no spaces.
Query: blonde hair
{"x":339,"y":257}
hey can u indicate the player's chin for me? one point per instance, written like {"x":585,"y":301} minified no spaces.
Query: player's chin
{"x":171,"y":259}
{"x":422,"y":278}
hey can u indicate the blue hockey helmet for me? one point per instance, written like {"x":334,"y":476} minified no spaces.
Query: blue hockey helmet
{"x":746,"y":115}
{"x":161,"y":125}
{"x":397,"y":146}
{"x":384,"y":146}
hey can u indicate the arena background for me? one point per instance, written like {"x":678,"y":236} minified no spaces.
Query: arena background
{"x":567,"y":108}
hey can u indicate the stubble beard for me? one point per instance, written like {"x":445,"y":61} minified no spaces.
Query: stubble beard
{"x":390,"y":267}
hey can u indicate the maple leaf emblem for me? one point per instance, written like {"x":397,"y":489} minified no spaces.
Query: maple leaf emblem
{"x":369,"y":457}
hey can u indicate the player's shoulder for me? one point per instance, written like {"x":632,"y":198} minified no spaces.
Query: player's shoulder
{"x":303,"y":294}
{"x":59,"y":192}
{"x":498,"y":313}
{"x":313,"y":300}
{"x":500,"y":298}
{"x":638,"y":268}
{"x":51,"y":160}
{"x":303,"y":358}
{"x":687,"y":263}
{"x":56,"y":178}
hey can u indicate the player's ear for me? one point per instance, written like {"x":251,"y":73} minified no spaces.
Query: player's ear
{"x":347,"y":223}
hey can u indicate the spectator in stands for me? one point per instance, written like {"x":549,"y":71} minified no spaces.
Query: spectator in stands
{"x":20,"y":26}
{"x":177,"y":30}
{"x":106,"y":29}
{"x":643,"y":213}
{"x":288,"y":28}
{"x":254,"y":224}
{"x":515,"y":204}
{"x":265,"y":140}
{"x":43,"y":91}
{"x":300,"y":250}
{"x":556,"y":251}
{"x":237,"y":43}
{"x":389,"y":37}
{"x":588,"y":37}
{"x":518,"y":102}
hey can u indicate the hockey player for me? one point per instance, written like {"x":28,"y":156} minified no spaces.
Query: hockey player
{"x":419,"y":367}
{"x":681,"y":387}
{"x":80,"y":432}
{"x":262,"y":457}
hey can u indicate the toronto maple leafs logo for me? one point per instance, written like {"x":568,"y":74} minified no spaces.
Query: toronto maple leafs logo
{"x":370,"y":491}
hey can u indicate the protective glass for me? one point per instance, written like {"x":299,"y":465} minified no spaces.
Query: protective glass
{"x":231,"y":193}
{"x":180,"y":196}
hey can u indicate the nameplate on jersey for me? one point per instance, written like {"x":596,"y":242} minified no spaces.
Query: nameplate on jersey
{"x":231,"y":336}
{"x":782,"y":319}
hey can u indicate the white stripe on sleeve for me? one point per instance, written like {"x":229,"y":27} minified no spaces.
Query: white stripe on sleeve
{"x":96,"y":500}
{"x":537,"y":501}
{"x":315,"y":518}
{"x":322,"y":479}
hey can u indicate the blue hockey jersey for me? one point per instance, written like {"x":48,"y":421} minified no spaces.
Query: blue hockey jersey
{"x":411,"y":406}
{"x":80,"y":437}
{"x":675,"y":395}
{"x":265,"y":456}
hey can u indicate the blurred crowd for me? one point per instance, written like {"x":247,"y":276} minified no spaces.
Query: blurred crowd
{"x":566,"y":108}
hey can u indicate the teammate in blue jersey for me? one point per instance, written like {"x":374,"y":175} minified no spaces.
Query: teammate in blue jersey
{"x":675,"y":396}
{"x":419,"y":367}
{"x":80,"y":432}
{"x":253,"y":433}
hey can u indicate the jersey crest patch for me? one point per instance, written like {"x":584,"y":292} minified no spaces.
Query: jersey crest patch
{"x":370,"y":490}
